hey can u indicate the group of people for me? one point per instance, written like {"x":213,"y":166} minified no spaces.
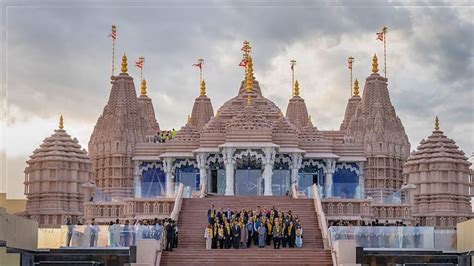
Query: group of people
{"x":261,"y":227}
{"x":126,"y":234}
{"x":165,"y":135}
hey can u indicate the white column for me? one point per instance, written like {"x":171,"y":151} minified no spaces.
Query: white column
{"x":201,"y":159}
{"x":296,"y":161}
{"x":137,"y":180}
{"x":361,"y":180}
{"x":268,"y":162}
{"x":168,"y":167}
{"x":329,"y":171}
{"x":228,"y":156}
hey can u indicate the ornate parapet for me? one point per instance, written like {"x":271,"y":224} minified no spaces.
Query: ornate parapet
{"x":365,"y":210}
{"x":129,"y":209}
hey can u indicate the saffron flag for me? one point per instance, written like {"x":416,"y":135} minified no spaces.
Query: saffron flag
{"x":350,"y":64}
{"x":380,"y":36}
{"x":243,"y":63}
{"x":140,"y":62}
{"x":198,"y":65}
{"x":292,"y":65}
{"x":113,"y":33}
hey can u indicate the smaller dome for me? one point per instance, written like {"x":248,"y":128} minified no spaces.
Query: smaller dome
{"x":59,"y":147}
{"x":438,"y":148}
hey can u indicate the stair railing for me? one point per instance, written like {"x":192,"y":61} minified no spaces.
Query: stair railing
{"x":177,"y":202}
{"x":323,"y":223}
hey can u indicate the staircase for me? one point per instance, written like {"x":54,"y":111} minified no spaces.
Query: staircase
{"x":193,"y":219}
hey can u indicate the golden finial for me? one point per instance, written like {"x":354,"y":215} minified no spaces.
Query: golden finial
{"x":375,"y":64}
{"x":309,"y":118}
{"x":203,"y":88}
{"x":249,"y":79}
{"x":296,"y":89}
{"x":280,"y":115}
{"x":143,"y":88}
{"x":189,"y":118}
{"x":436,"y":123}
{"x":218,"y":113}
{"x":61,"y":122}
{"x":124,"y":64}
{"x":356,"y":88}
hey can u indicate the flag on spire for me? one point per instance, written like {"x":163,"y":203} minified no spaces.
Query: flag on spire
{"x":243,"y":63}
{"x":140,"y":62}
{"x":380,"y":36}
{"x":350,"y":60}
{"x":199,"y":63}
{"x":292,"y":64}
{"x":113,"y":33}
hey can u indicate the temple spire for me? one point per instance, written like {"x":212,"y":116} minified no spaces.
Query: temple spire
{"x":375,"y":65}
{"x":124,"y":64}
{"x":143,"y":88}
{"x":203,"y":88}
{"x":436,"y":123}
{"x":61,"y":122}
{"x":296,"y":89}
{"x":356,"y":88}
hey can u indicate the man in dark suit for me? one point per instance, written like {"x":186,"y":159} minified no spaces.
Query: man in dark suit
{"x":228,"y":214}
{"x":236,"y":235}
{"x":211,"y":213}
{"x":169,"y":236}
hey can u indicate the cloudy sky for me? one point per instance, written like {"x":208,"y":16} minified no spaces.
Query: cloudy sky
{"x":57,"y":60}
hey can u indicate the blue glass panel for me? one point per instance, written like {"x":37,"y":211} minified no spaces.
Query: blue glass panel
{"x":153,"y":183}
{"x":280,"y":182}
{"x":345,"y":183}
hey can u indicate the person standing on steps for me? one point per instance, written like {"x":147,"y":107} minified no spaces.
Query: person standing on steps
{"x":208,"y":235}
{"x":228,"y":235}
{"x":291,"y":235}
{"x":243,"y":233}
{"x":175,"y":226}
{"x":250,"y":231}
{"x":221,"y":236}
{"x":211,"y":214}
{"x":277,"y":234}
{"x":262,"y":233}
{"x":169,"y":236}
{"x":215,"y":229}
{"x":299,"y":237}
{"x":236,"y":235}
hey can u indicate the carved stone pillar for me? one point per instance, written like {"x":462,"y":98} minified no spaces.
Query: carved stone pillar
{"x":168,"y":168}
{"x":228,"y":156}
{"x":201,"y":159}
{"x":268,"y":162}
{"x":296,"y":161}
{"x":137,"y":180}
{"x":329,"y":171}
{"x":361,"y":180}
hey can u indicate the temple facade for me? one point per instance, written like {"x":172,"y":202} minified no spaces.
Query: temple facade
{"x":54,"y":178}
{"x":249,"y":147}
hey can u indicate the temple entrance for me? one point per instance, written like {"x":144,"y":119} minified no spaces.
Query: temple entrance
{"x":216,"y":181}
{"x":248,"y":182}
{"x":306,"y":180}
{"x":280,"y":182}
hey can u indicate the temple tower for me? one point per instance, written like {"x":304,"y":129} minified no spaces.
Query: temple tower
{"x":296,"y":112}
{"x":351,"y":107}
{"x":147,"y":110}
{"x":119,"y":128}
{"x":376,"y":125}
{"x":202,"y":109}
{"x":54,"y":178}
{"x":437,"y":178}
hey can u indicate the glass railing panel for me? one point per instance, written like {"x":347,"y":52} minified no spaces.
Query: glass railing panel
{"x":148,"y":190}
{"x":117,"y":235}
{"x":445,"y":239}
{"x":386,"y":236}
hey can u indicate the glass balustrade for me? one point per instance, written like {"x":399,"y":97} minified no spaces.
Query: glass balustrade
{"x":117,"y":235}
{"x":396,"y":237}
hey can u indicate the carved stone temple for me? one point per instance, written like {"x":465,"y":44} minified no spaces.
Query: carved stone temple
{"x":249,"y":147}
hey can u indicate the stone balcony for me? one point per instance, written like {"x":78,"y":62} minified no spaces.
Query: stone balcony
{"x":365,"y":210}
{"x":129,"y":209}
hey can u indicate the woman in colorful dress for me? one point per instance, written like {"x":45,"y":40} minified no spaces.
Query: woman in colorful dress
{"x":262,"y":233}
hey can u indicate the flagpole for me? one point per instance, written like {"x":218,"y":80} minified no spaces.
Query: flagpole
{"x":350,"y":60}
{"x":293,"y":63}
{"x":384,"y":30}
{"x":113,"y":50}
{"x":200,"y":62}
{"x":141,"y":69}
